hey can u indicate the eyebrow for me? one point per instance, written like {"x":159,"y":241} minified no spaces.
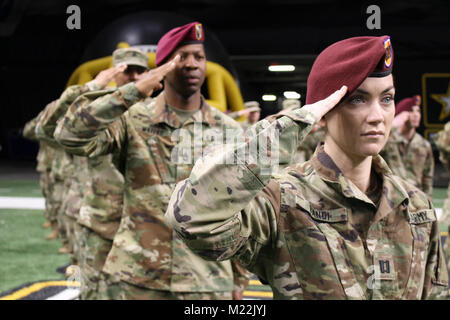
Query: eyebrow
{"x":366,"y":92}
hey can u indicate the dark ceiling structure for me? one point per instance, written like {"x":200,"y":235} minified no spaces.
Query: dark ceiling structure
{"x":39,"y":52}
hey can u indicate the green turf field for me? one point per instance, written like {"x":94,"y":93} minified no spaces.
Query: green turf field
{"x":20,"y":188}
{"x":25,"y":255}
{"x":439,"y":195}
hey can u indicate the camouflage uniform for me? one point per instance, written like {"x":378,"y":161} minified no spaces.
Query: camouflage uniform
{"x":75,"y":187}
{"x":443,"y":144}
{"x":306,"y":149}
{"x":93,"y":202}
{"x":411,"y":160}
{"x":309,"y":231}
{"x":73,"y":169}
{"x":249,"y":105}
{"x":61,"y":172}
{"x":55,"y":187}
{"x":99,"y":218}
{"x":146,"y":254}
{"x":130,"y":56}
{"x":44,"y":160}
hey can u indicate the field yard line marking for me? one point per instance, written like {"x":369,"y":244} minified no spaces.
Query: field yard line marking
{"x":258,"y":294}
{"x":68,"y":294}
{"x":255,"y":283}
{"x":438,"y":213}
{"x":22,"y":203}
{"x":39,"y":204}
{"x":34,"y":288}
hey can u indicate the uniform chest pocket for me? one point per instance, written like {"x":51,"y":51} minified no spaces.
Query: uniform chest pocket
{"x":320,"y":255}
{"x":161,"y":150}
{"x":420,"y":153}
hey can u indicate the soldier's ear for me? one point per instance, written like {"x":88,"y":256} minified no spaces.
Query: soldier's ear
{"x":323,"y":122}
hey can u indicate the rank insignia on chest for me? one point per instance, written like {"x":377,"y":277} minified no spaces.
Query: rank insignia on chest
{"x":384,"y":267}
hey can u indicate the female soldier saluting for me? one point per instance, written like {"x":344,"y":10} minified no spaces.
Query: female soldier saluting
{"x":340,"y":226}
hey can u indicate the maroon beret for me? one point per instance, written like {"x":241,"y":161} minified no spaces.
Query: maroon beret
{"x":187,"y":34}
{"x":407,"y":104}
{"x":349,"y":62}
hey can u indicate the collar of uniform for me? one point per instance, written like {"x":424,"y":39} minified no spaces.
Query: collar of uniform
{"x":162,"y":114}
{"x":327,"y":169}
{"x":399,"y":138}
{"x":324,"y":165}
{"x":205,"y":115}
{"x":394,"y":194}
{"x":416,"y":138}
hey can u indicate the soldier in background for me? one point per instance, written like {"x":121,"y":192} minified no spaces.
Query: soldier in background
{"x":64,"y":178}
{"x":148,"y":257}
{"x":98,"y":206}
{"x":251,"y":110}
{"x":442,"y":140}
{"x":339,"y":226}
{"x":54,"y":183}
{"x":408,"y":154}
{"x":44,"y":160}
{"x":306,"y":149}
{"x":290,"y":104}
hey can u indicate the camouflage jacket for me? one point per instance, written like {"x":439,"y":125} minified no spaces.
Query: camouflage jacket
{"x":45,"y":157}
{"x":102,"y":205}
{"x":96,"y":189}
{"x":61,"y":166}
{"x":46,"y":153}
{"x":411,"y":160}
{"x":309,"y":231}
{"x":442,"y":140}
{"x":72,"y":168}
{"x":30,"y":126}
{"x":146,"y":252}
{"x":307,"y":147}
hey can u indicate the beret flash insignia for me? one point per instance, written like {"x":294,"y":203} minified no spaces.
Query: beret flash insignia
{"x":388,"y":56}
{"x":198,"y":31}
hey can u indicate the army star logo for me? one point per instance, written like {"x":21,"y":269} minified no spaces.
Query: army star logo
{"x":198,"y":31}
{"x":444,"y":99}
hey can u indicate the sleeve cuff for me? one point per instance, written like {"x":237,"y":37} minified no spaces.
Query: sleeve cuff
{"x":302,"y":115}
{"x":93,"y":85}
